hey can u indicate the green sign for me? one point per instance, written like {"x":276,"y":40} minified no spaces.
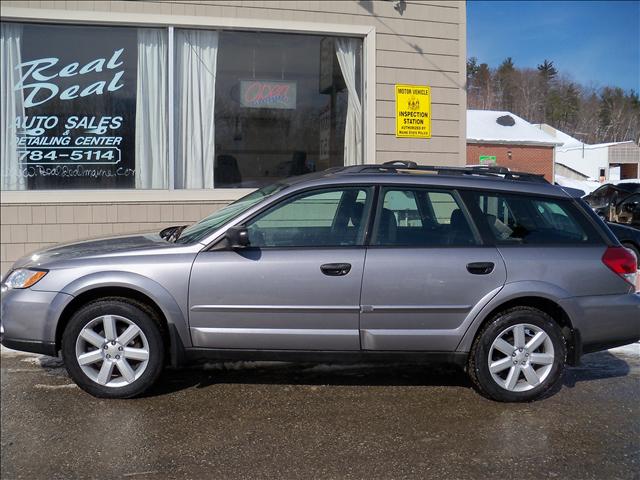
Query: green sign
{"x":487,"y":159}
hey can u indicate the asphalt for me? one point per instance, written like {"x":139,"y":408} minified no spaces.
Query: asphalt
{"x":259,"y":420}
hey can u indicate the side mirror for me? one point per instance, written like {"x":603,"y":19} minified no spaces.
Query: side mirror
{"x":238,"y":237}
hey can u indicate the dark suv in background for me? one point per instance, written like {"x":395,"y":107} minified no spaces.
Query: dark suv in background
{"x":618,"y":203}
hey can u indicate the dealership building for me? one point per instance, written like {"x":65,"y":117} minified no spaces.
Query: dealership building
{"x":128,"y":116}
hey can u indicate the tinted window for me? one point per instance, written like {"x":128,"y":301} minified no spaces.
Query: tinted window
{"x":514,"y":219}
{"x":333,"y":217}
{"x":419,"y":217}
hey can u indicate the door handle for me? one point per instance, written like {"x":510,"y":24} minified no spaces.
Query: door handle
{"x":335,"y":269}
{"x":480,"y":268}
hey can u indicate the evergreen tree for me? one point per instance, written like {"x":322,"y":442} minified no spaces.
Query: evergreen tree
{"x":505,"y":77}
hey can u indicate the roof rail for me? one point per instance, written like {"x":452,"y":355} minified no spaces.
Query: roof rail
{"x":482,"y":170}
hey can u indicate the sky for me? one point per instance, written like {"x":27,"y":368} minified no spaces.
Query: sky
{"x":596,"y":43}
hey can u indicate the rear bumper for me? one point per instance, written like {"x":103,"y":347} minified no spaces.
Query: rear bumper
{"x":29,"y":318}
{"x":605,"y":321}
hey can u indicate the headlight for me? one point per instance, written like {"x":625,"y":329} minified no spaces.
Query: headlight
{"x":24,"y":278}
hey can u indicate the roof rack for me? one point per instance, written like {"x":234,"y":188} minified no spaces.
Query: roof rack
{"x":482,"y":170}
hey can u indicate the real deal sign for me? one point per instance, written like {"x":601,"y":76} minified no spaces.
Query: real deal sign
{"x":413,"y":111}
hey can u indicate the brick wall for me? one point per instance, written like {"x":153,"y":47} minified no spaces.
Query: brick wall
{"x":26,"y":228}
{"x":523,"y":158}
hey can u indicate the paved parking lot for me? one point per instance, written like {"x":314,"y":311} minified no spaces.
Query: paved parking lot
{"x":256,"y":420}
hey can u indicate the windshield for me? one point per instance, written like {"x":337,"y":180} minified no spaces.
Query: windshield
{"x":204,"y":227}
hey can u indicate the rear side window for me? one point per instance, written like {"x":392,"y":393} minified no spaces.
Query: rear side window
{"x":418,"y":217}
{"x":518,"y":219}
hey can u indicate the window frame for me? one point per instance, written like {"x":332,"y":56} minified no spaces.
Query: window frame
{"x":366,"y":33}
{"x":477,"y":234}
{"x":585,"y":221}
{"x":217,"y":242}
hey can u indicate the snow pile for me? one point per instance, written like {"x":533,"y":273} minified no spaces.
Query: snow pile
{"x":587,"y":186}
{"x":482,"y":127}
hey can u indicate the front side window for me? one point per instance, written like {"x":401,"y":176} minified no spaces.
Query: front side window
{"x":517,"y":219}
{"x":325,"y":218}
{"x":88,"y":107}
{"x":421,"y":218}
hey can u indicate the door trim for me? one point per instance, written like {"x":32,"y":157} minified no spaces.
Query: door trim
{"x":275,"y":338}
{"x":275,"y":308}
{"x":414,"y":308}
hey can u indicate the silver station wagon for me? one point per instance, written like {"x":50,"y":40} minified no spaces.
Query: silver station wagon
{"x":500,"y":272}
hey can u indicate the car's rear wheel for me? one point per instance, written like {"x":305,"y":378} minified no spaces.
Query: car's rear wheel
{"x":113,"y":348}
{"x":518,"y":356}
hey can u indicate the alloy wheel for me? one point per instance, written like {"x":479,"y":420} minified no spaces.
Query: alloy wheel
{"x":112,"y":351}
{"x":521,"y":357}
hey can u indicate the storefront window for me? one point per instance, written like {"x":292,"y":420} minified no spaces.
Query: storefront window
{"x":285,"y":105}
{"x":87,"y":107}
{"x":84,"y":107}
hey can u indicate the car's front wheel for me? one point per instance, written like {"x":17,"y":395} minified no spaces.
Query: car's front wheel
{"x":113,"y":348}
{"x":518,"y":356}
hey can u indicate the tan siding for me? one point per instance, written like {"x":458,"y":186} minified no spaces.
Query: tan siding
{"x":52,"y":224}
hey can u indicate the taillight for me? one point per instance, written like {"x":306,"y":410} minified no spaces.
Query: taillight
{"x":623,"y":262}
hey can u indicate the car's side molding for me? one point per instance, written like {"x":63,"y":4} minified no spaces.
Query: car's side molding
{"x":511,"y":291}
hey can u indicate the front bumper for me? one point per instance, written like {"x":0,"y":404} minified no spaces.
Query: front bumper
{"x":29,"y":318}
{"x":605,"y":321}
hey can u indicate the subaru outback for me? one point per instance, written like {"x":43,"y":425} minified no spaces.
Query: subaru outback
{"x":500,"y":272}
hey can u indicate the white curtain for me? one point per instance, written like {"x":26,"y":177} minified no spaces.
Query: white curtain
{"x":347,"y":53}
{"x":11,"y":107}
{"x":197,"y":53}
{"x":151,"y":110}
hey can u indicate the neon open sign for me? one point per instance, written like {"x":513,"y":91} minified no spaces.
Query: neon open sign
{"x":268,"y":94}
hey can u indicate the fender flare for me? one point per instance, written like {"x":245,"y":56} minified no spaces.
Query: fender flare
{"x":513,"y":291}
{"x":177,"y":323}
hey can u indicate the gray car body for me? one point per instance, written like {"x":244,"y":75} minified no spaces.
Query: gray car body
{"x":276,"y":304}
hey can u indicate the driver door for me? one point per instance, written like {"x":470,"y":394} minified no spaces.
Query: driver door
{"x":296,"y":287}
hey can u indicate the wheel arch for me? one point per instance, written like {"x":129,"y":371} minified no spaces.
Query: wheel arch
{"x":133,"y":287}
{"x":542,"y":299}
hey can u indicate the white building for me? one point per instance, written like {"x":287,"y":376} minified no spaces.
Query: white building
{"x":603,"y":161}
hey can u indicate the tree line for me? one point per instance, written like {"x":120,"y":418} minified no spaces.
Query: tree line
{"x":543,"y":95}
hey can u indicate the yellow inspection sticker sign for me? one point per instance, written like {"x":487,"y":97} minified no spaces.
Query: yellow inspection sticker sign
{"x":413,"y":111}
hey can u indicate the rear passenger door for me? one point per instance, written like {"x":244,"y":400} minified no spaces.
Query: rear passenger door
{"x":425,"y":271}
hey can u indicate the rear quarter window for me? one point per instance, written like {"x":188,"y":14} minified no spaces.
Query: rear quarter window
{"x":526,"y":220}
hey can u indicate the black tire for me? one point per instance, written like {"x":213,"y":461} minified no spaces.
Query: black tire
{"x":635,"y":250}
{"x":139,"y":314}
{"x":478,"y":364}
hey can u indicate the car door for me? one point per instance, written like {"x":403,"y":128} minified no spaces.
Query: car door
{"x":425,"y":272}
{"x":296,"y":287}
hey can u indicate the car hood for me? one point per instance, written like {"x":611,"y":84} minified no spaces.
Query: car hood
{"x":100,"y":247}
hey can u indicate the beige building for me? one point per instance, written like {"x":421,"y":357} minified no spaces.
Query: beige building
{"x":128,"y":116}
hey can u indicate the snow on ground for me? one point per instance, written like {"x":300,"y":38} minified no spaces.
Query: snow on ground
{"x":632,"y":350}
